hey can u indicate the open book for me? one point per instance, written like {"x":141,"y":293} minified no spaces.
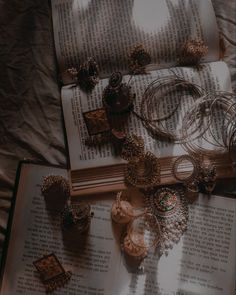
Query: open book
{"x":203,"y":262}
{"x":106,"y":31}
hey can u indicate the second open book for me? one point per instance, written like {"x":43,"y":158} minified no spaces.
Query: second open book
{"x":106,"y":31}
{"x":203,"y":262}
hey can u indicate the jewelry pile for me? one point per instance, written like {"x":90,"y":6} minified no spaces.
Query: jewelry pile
{"x":164,"y":218}
{"x":168,"y":205}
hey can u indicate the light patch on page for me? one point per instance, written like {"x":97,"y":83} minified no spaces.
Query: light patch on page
{"x":81,"y":4}
{"x":147,"y":17}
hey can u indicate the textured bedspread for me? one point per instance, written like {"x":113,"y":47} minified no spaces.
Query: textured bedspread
{"x":30,"y":109}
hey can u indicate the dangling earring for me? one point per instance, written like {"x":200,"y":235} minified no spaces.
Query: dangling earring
{"x":87,"y":75}
{"x":122,"y":211}
{"x":143,"y":172}
{"x":171,"y":209}
{"x":143,"y":233}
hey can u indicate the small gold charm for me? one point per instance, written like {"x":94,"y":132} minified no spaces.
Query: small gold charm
{"x":117,"y":96}
{"x":192,"y":52}
{"x":51,"y":272}
{"x":118,"y":136}
{"x":96,"y":121}
{"x":73,"y":73}
{"x":143,"y":172}
{"x":139,"y":58}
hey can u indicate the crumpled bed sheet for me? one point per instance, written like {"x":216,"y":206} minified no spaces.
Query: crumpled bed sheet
{"x":30,"y":109}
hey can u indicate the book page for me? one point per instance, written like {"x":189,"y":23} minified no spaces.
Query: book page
{"x":203,"y":262}
{"x":107,"y":30}
{"x":36,"y":231}
{"x":212,"y":76}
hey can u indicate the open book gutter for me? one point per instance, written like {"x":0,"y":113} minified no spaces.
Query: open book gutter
{"x":83,"y":185}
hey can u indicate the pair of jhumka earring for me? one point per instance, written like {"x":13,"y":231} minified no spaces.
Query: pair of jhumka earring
{"x":75,"y":216}
{"x":142,"y":228}
{"x":201,"y":178}
{"x":86,"y":75}
{"x":190,"y":54}
{"x":160,"y":224}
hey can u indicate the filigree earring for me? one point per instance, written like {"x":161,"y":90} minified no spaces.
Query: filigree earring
{"x":143,"y":172}
{"x":139,"y":58}
{"x":132,"y":148}
{"x":192,"y":52}
{"x":56,"y":191}
{"x":77,"y":217}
